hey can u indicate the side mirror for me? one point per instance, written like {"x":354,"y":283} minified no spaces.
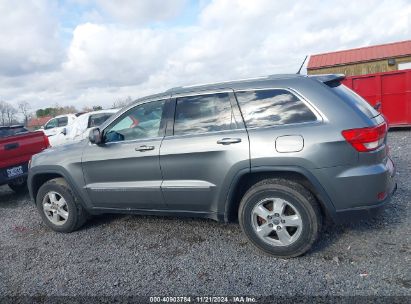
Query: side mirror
{"x":41,"y":128}
{"x":64,"y":131}
{"x":95,"y":136}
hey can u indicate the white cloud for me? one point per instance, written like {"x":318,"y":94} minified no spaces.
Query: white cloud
{"x":139,"y":12}
{"x":231,"y":39}
{"x":101,"y":55}
{"x":28,"y":38}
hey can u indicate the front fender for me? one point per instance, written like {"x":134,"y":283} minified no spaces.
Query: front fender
{"x":40,"y":174}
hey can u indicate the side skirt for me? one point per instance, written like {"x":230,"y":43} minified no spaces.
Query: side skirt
{"x":178,"y":213}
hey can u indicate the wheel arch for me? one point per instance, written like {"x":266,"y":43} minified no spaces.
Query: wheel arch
{"x":246,"y":178}
{"x":37,"y":179}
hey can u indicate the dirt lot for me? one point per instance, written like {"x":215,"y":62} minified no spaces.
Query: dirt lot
{"x":141,"y":255}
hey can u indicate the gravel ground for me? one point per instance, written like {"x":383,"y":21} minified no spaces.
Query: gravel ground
{"x":144,"y":255}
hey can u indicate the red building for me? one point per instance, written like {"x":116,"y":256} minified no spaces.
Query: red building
{"x":380,"y":74}
{"x":36,"y":123}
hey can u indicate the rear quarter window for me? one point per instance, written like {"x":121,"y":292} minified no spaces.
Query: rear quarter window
{"x":355,"y":100}
{"x":272,"y":107}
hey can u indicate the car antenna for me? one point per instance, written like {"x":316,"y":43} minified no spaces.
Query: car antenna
{"x":299,"y":70}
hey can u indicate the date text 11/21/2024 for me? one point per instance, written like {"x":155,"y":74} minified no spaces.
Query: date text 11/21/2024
{"x":204,"y":299}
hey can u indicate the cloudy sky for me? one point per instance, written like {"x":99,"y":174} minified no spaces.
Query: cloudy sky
{"x":91,"y":52}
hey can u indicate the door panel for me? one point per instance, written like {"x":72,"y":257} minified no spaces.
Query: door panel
{"x":197,"y":171}
{"x":118,"y":176}
{"x":125,"y":171}
{"x":368,"y":88}
{"x":394,"y":98}
{"x":209,"y":148}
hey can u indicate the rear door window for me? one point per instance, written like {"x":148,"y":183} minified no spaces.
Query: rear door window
{"x":203,"y":114}
{"x":355,"y":100}
{"x":272,"y":107}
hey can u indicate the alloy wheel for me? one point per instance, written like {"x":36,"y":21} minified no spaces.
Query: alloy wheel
{"x":276,"y":221}
{"x":55,"y":208}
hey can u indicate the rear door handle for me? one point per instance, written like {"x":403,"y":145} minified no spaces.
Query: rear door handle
{"x":228,"y":141}
{"x":144,"y":148}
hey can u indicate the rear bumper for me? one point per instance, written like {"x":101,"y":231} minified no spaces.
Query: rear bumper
{"x":356,"y":190}
{"x":357,"y":213}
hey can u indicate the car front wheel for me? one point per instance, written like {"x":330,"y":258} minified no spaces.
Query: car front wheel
{"x":280,"y":217}
{"x":59,"y":207}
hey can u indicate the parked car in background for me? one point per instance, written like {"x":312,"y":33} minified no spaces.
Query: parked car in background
{"x":58,"y":125}
{"x":17,"y":146}
{"x":80,"y":128}
{"x":281,"y":154}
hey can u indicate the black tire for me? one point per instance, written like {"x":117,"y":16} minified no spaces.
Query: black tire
{"x":302,"y":201}
{"x":77,"y":216}
{"x":19,"y":186}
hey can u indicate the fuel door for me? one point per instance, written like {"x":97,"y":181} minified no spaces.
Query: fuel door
{"x":289,"y":143}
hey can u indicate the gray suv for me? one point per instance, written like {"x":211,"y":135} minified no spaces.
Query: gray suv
{"x":281,"y":154}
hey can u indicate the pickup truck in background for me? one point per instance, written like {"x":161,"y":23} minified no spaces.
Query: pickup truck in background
{"x":17,"y":146}
{"x":81,"y":127}
{"x":59,"y":125}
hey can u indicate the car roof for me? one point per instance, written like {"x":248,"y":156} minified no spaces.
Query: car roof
{"x":231,"y":84}
{"x":238,"y":84}
{"x":100,"y":112}
{"x":63,"y":115}
{"x":241,"y":84}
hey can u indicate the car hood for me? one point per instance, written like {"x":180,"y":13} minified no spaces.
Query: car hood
{"x":60,"y":155}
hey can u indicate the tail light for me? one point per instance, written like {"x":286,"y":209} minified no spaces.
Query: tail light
{"x":46,"y":141}
{"x":381,"y":195}
{"x":366,"y":139}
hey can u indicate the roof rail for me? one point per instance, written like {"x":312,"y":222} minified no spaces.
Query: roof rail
{"x":172,"y":89}
{"x":217,"y":83}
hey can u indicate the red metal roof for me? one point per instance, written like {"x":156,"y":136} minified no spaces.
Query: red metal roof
{"x":369,"y":53}
{"x":38,"y":122}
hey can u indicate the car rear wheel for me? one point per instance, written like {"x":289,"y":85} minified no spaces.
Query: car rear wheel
{"x":59,"y":207}
{"x":280,"y":217}
{"x":19,"y":185}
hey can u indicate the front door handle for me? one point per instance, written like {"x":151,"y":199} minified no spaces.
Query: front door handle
{"x":228,"y":141}
{"x":144,"y":148}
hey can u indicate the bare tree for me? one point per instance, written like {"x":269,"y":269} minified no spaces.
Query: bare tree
{"x":121,"y":102}
{"x":10,"y":113}
{"x":24,"y":107}
{"x":86,"y":109}
{"x":3,"y":112}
